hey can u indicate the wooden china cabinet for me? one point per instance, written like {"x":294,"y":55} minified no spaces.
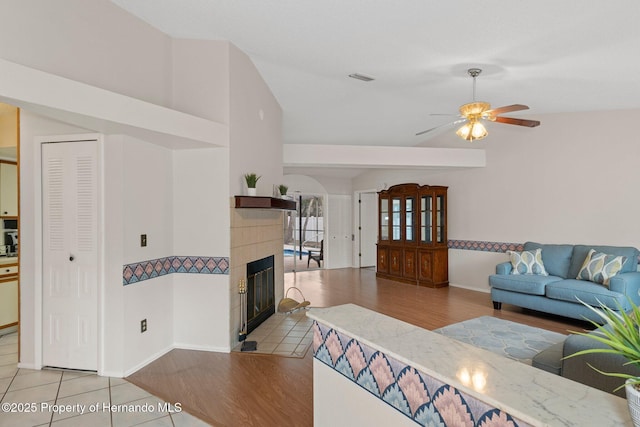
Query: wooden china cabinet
{"x":412,"y":235}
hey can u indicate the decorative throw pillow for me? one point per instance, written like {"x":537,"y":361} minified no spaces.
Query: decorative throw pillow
{"x":527,"y":262}
{"x":599,"y":267}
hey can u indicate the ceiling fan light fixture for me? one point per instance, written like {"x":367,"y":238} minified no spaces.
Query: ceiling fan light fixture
{"x":474,"y":108}
{"x":472,"y":131}
{"x":474,"y":113}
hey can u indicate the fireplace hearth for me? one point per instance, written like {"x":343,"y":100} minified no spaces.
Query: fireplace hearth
{"x":260,"y":292}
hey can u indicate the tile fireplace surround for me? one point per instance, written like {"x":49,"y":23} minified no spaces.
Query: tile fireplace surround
{"x":255,"y":234}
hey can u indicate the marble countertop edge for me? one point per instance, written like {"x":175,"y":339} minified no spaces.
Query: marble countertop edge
{"x":538,"y":398}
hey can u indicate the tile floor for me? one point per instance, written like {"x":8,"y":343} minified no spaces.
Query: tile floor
{"x":55,"y":398}
{"x":283,"y":335}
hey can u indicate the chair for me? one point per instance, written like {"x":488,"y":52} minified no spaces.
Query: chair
{"x":316,"y":255}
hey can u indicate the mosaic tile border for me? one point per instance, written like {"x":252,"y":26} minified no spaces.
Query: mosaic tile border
{"x":145,"y":270}
{"x":475,"y":245}
{"x":420,"y":397}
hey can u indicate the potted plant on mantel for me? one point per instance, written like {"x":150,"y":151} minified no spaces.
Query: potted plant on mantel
{"x":283,"y":190}
{"x":621,"y":333}
{"x":252,"y":180}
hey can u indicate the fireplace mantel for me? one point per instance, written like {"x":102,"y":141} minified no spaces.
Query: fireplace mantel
{"x":258,"y":202}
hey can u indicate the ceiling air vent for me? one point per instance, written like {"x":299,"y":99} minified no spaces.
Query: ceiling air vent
{"x":361,"y":77}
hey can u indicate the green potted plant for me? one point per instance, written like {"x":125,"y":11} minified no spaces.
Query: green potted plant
{"x":620,"y":332}
{"x":283,"y":189}
{"x":252,"y":180}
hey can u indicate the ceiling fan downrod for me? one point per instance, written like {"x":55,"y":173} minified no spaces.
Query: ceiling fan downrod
{"x":474,"y":72}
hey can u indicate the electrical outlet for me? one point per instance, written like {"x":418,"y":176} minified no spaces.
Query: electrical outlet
{"x":143,"y":325}
{"x":143,"y":240}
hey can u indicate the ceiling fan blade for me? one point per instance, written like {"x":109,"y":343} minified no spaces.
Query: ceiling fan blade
{"x":441,"y":126}
{"x":519,"y":122}
{"x":506,"y":109}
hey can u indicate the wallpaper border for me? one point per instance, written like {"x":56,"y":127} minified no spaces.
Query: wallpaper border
{"x":417,"y":395}
{"x":150,"y":269}
{"x":485,"y":246}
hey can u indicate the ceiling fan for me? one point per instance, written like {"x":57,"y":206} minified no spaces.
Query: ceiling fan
{"x":474,"y":113}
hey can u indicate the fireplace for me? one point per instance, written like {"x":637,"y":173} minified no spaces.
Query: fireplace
{"x":260,"y":292}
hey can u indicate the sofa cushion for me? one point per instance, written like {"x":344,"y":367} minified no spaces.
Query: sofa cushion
{"x":580,"y":253}
{"x":549,"y":359}
{"x":527,"y":262}
{"x":556,"y":258}
{"x":573,"y":290}
{"x":599,"y":267}
{"x":523,"y":283}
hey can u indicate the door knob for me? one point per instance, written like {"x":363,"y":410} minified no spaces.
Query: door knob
{"x":71,"y":258}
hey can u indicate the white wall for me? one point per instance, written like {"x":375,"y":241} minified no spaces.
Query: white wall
{"x":201,"y":227}
{"x":336,"y":184}
{"x":92,"y":42}
{"x":99,"y":44}
{"x":147,"y":200}
{"x":303,"y":184}
{"x":112,"y":348}
{"x":571,"y":180}
{"x":201,"y":194}
{"x":340,"y":402}
{"x":255,"y":129}
{"x":147,"y":206}
{"x":201,"y":78}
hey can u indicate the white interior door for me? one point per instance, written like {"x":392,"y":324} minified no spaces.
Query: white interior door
{"x":70,"y":255}
{"x":338,"y":245}
{"x":368,"y":224}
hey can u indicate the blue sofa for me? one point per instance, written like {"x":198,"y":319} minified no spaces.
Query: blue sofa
{"x":559,"y":292}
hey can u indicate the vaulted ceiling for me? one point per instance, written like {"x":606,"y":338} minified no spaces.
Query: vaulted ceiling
{"x":555,"y":56}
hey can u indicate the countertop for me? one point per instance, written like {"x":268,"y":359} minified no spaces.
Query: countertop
{"x":533,"y":395}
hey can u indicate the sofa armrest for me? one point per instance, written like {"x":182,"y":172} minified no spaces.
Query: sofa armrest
{"x":504,"y":268}
{"x":580,"y":368}
{"x":627,"y":284}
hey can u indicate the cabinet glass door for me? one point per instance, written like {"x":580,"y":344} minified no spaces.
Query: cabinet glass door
{"x":384,"y":219}
{"x":409,"y":215}
{"x":426,"y":220}
{"x":396,"y":227}
{"x":440,"y":219}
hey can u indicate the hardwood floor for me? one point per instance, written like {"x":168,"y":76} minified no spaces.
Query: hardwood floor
{"x":257,"y":390}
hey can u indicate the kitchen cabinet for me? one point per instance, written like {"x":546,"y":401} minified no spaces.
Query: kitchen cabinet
{"x":8,"y":189}
{"x":8,"y":294}
{"x":412,"y":235}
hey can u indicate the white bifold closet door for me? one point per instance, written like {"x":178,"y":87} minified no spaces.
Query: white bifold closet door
{"x":70,"y":255}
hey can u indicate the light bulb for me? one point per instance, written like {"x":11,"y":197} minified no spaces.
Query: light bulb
{"x":478,"y":131}
{"x":472,"y":130}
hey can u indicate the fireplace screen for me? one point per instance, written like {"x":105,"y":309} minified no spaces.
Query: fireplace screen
{"x":260,"y":292}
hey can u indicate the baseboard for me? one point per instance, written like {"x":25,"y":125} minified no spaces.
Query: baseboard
{"x":147,"y":361}
{"x":167,"y":350}
{"x":471,"y":288}
{"x":202,"y":348}
{"x":111,"y":374}
{"x":29,"y":366}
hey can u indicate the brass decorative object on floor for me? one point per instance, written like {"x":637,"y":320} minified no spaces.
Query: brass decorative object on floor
{"x":289,"y":305}
{"x":242,"y":335}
